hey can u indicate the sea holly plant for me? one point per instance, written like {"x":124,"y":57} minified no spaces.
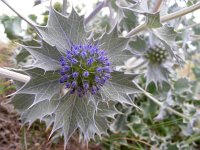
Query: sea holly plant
{"x":78,"y":78}
{"x":72,"y":75}
{"x":154,"y":56}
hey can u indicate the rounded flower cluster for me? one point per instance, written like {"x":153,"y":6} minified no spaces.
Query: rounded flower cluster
{"x":156,"y":55}
{"x":85,"y":68}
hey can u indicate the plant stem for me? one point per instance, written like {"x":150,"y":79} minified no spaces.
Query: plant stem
{"x":181,"y":12}
{"x":193,"y":139}
{"x":64,"y":7}
{"x":166,"y":18}
{"x":136,"y":30}
{"x":157,"y":6}
{"x":160,"y":103}
{"x":31,"y":23}
{"x":190,"y":26}
{"x":14,"y":75}
{"x":23,"y":140}
{"x":95,"y":11}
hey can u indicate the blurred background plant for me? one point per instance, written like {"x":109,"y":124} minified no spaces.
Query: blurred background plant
{"x":178,"y":87}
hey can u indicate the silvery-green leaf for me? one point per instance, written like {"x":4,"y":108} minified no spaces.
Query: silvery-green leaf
{"x":167,"y":36}
{"x":103,"y":105}
{"x":73,"y":112}
{"x":21,"y":56}
{"x":62,"y":31}
{"x":138,"y":46}
{"x":40,"y":110}
{"x":107,"y":109}
{"x":182,"y":85}
{"x":115,"y":47}
{"x":119,"y":87}
{"x":18,"y":84}
{"x":22,"y":101}
{"x":161,"y":115}
{"x":101,"y":124}
{"x":121,"y":57}
{"x":139,"y":6}
{"x":100,"y":127}
{"x":193,"y":125}
{"x":48,"y":119}
{"x":149,"y":109}
{"x":169,"y":99}
{"x":121,"y":120}
{"x":153,"y":20}
{"x":164,"y":8}
{"x":169,"y":102}
{"x":129,"y":19}
{"x":43,"y":84}
{"x":156,"y":74}
{"x":47,"y":56}
{"x":12,"y":26}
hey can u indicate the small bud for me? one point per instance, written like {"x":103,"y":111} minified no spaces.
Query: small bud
{"x":62,"y":72}
{"x":86,"y":74}
{"x":99,"y":70}
{"x":107,"y":63}
{"x":107,"y":76}
{"x":67,"y":68}
{"x":75,"y":74}
{"x":69,"y":56}
{"x":102,"y":52}
{"x":101,"y":58}
{"x":72,"y":91}
{"x":90,"y":61}
{"x":86,"y":86}
{"x":62,"y":63}
{"x":61,"y":80}
{"x":62,"y":59}
{"x":83,"y":54}
{"x":93,"y":90}
{"x":107,"y":69}
{"x":74,"y":84}
{"x":68,"y":85}
{"x":97,"y":79}
{"x":74,"y":61}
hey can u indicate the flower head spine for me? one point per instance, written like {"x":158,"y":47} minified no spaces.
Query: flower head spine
{"x":85,"y":69}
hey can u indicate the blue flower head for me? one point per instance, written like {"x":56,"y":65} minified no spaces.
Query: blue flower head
{"x":84,"y":68}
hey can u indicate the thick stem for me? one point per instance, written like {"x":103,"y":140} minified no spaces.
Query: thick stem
{"x":180,"y":13}
{"x":166,"y":18}
{"x":136,"y":30}
{"x":14,"y":75}
{"x":95,"y":11}
{"x":160,"y":103}
{"x":31,"y":23}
